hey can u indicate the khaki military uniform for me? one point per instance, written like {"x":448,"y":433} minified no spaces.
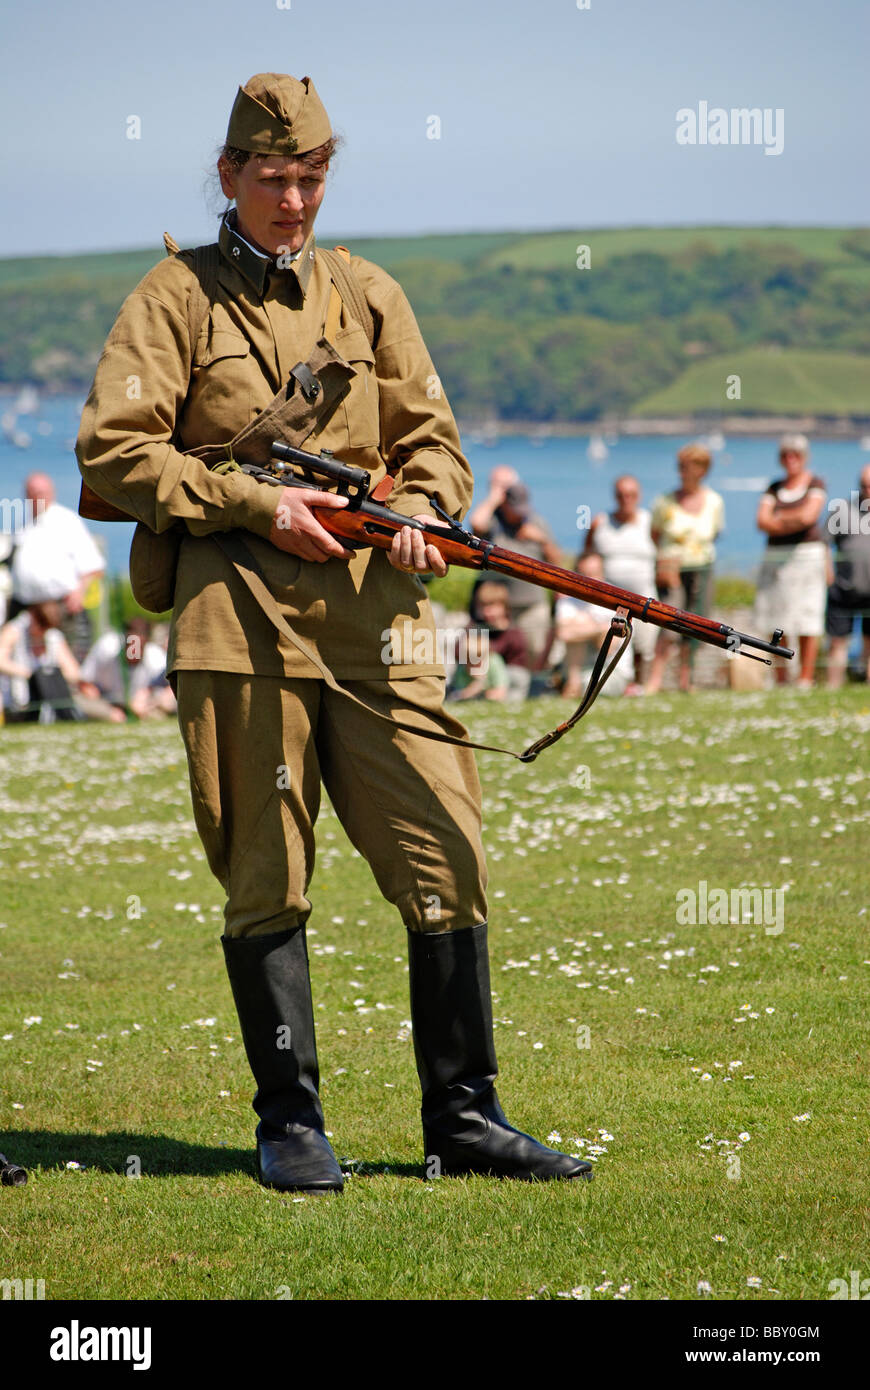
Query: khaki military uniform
{"x":253,"y":711}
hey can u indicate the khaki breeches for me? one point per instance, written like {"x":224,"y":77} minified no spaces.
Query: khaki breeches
{"x":258,"y":748}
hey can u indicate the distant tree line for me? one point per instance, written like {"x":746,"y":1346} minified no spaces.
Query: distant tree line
{"x":545,"y":345}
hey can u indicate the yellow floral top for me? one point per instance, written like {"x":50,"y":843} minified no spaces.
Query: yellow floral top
{"x":687,"y":537}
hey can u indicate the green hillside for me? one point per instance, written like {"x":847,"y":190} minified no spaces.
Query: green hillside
{"x":517,"y":330}
{"x":551,"y":250}
{"x":837,"y":383}
{"x":41,"y":272}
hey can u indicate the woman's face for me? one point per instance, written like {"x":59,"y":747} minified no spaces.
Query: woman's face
{"x":792,"y":463}
{"x":277,"y":200}
{"x":691,"y":473}
{"x":493,"y":609}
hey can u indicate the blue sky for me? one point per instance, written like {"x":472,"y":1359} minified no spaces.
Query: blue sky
{"x":551,"y":116}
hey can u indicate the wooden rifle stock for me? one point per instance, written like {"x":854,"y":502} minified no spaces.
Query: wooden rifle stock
{"x":93,"y":508}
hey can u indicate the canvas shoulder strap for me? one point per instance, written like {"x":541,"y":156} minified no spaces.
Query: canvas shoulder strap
{"x":349,"y":290}
{"x":204,"y":262}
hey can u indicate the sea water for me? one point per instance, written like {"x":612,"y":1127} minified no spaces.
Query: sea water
{"x":566,"y":484}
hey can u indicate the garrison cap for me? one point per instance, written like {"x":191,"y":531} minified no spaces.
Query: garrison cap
{"x":277,"y":114}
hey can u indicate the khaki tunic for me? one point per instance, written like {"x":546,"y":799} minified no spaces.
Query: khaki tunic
{"x":258,"y":748}
{"x":395,"y":418}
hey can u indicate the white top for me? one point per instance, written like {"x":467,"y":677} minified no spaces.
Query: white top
{"x":54,"y":551}
{"x":628,"y":552}
{"x":102,"y":667}
{"x":568,"y":607}
{"x":23,"y":655}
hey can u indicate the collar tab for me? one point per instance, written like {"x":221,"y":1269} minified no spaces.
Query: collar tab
{"x":256,"y":266}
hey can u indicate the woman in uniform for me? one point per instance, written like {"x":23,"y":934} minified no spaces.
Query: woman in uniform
{"x":199,"y":371}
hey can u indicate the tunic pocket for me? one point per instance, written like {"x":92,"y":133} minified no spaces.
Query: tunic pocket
{"x":222,"y":380}
{"x":222,"y":343}
{"x":360,"y":406}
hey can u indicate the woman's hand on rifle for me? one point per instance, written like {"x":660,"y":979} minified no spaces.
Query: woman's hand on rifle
{"x":296,"y":529}
{"x":411,"y":553}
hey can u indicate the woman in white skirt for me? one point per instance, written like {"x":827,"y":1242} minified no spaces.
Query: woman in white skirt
{"x":792,"y":585}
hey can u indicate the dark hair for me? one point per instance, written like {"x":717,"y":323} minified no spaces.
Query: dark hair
{"x":138,"y":627}
{"x":314,"y":160}
{"x":473,"y":609}
{"x":48,"y":612}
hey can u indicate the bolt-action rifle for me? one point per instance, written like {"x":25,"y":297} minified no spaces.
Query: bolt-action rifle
{"x":365,"y":522}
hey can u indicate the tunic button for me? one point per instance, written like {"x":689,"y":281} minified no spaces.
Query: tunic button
{"x":311,"y":255}
{"x":236,"y":251}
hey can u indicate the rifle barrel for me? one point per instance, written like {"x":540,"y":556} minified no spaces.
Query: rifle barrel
{"x":377,"y":525}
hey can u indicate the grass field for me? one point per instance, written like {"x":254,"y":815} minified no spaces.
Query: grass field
{"x":778,"y":382}
{"x":719,"y":1088}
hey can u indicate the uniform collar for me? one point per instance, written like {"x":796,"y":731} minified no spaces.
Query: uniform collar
{"x":255,"y":265}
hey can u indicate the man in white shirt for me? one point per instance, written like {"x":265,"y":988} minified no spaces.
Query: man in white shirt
{"x":623,"y":540}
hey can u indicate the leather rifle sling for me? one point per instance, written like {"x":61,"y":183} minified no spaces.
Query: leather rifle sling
{"x":247,"y":568}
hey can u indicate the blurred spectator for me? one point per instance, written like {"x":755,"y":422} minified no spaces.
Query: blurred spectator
{"x":685,"y":524}
{"x":56,"y":546}
{"x":849,"y":595}
{"x":160,"y":636}
{"x":792,"y":584}
{"x":582,"y":627}
{"x":490,"y":608}
{"x":500,"y":479}
{"x":506,"y":518}
{"x":480,"y":673}
{"x":129,"y":671}
{"x":623,"y":540}
{"x":5,"y":574}
{"x":41,"y":670}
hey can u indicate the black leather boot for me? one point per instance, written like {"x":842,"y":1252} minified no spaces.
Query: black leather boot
{"x":271,"y":987}
{"x":464,"y":1127}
